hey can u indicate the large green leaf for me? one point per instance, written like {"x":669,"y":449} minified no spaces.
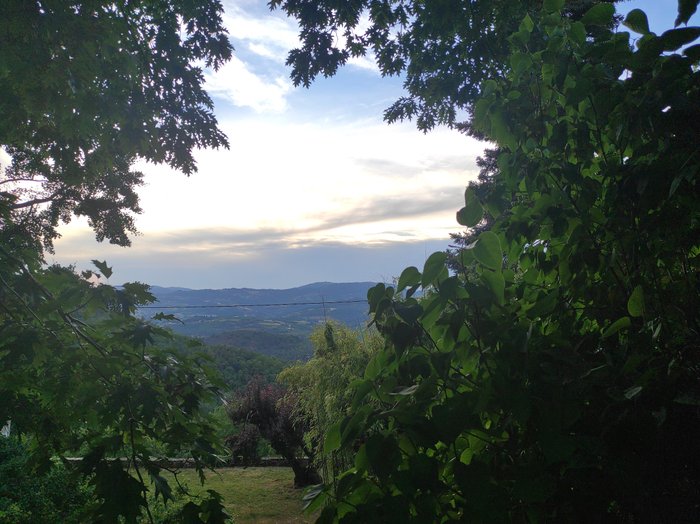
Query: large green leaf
{"x":637,"y":21}
{"x":409,"y":277}
{"x":599,"y":14}
{"x":553,"y":6}
{"x":487,"y":251}
{"x":619,"y":324}
{"x":434,"y":267}
{"x":635,"y":304}
{"x":332,"y":441}
{"x":496,"y":283}
{"x":686,"y":9}
{"x":676,"y":38}
{"x":472,"y":212}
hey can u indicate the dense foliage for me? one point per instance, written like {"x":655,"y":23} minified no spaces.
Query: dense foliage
{"x":87,"y":88}
{"x":444,"y":50}
{"x":238,"y":366}
{"x":90,"y":86}
{"x":280,"y":347}
{"x":557,"y":378}
{"x":29,"y":498}
{"x":235,"y":366}
{"x":81,"y":376}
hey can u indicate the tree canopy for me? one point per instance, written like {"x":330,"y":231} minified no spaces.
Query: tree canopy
{"x":89,"y":87}
{"x":86,"y":89}
{"x":444,"y":49}
{"x":556,"y":377}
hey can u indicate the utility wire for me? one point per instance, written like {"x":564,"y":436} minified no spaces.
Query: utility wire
{"x":356,"y":301}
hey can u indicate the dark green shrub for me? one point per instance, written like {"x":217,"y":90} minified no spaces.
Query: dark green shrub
{"x":55,"y":495}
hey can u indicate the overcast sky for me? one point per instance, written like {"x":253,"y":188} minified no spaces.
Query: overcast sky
{"x":315,"y":186}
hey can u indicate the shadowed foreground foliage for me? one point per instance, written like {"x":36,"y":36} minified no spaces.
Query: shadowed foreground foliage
{"x":556,"y":378}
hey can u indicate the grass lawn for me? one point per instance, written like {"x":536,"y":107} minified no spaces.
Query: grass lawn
{"x":263,"y":495}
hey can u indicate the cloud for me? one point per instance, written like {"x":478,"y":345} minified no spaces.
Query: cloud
{"x":390,"y":168}
{"x":256,"y":76}
{"x":251,"y":24}
{"x":243,"y":88}
{"x":376,"y":217}
{"x":271,"y":266}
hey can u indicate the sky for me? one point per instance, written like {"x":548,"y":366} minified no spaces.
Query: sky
{"x":315,"y":186}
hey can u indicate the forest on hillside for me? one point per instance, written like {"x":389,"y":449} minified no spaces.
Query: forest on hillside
{"x":545,"y":369}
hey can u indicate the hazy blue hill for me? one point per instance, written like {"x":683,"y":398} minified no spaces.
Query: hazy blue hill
{"x":276,"y":330}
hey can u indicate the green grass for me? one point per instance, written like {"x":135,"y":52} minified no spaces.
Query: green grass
{"x":260,"y":495}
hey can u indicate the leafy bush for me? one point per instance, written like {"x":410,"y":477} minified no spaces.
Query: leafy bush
{"x":557,"y":380}
{"x":55,"y":495}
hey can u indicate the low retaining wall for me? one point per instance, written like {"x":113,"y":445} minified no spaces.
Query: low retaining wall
{"x":183,"y":463}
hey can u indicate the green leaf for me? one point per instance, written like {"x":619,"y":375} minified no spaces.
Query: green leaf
{"x":496,"y":283}
{"x":620,"y":323}
{"x":409,"y":277}
{"x":687,"y":399}
{"x":686,"y":9}
{"x":599,"y":14}
{"x":637,"y":21}
{"x":103,"y":267}
{"x":167,"y":317}
{"x":693,"y":52}
{"x":500,"y":131}
{"x":527,"y":24}
{"x":472,"y":212}
{"x":633,"y":392}
{"x":487,"y":251}
{"x":332,"y":441}
{"x":520,"y":63}
{"x":635,"y":304}
{"x":434,"y":267}
{"x":314,"y":497}
{"x":553,"y":6}
{"x":578,"y":32}
{"x":676,"y":38}
{"x":406,"y":391}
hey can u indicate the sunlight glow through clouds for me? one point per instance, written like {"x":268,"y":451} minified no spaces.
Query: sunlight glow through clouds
{"x":320,"y":178}
{"x":277,"y":174}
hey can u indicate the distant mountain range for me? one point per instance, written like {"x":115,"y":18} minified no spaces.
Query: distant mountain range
{"x":275,"y":322}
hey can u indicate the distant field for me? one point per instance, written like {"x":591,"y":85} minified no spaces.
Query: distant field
{"x":260,"y":495}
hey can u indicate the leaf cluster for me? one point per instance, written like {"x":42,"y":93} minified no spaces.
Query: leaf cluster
{"x":443,"y":49}
{"x":90,"y":87}
{"x":80,"y":375}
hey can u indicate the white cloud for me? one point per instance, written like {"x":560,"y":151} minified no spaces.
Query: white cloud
{"x":273,"y":31}
{"x":364,"y":62}
{"x":243,"y":88}
{"x":266,"y":51}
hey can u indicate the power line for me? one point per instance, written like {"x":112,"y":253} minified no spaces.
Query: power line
{"x":354,"y":301}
